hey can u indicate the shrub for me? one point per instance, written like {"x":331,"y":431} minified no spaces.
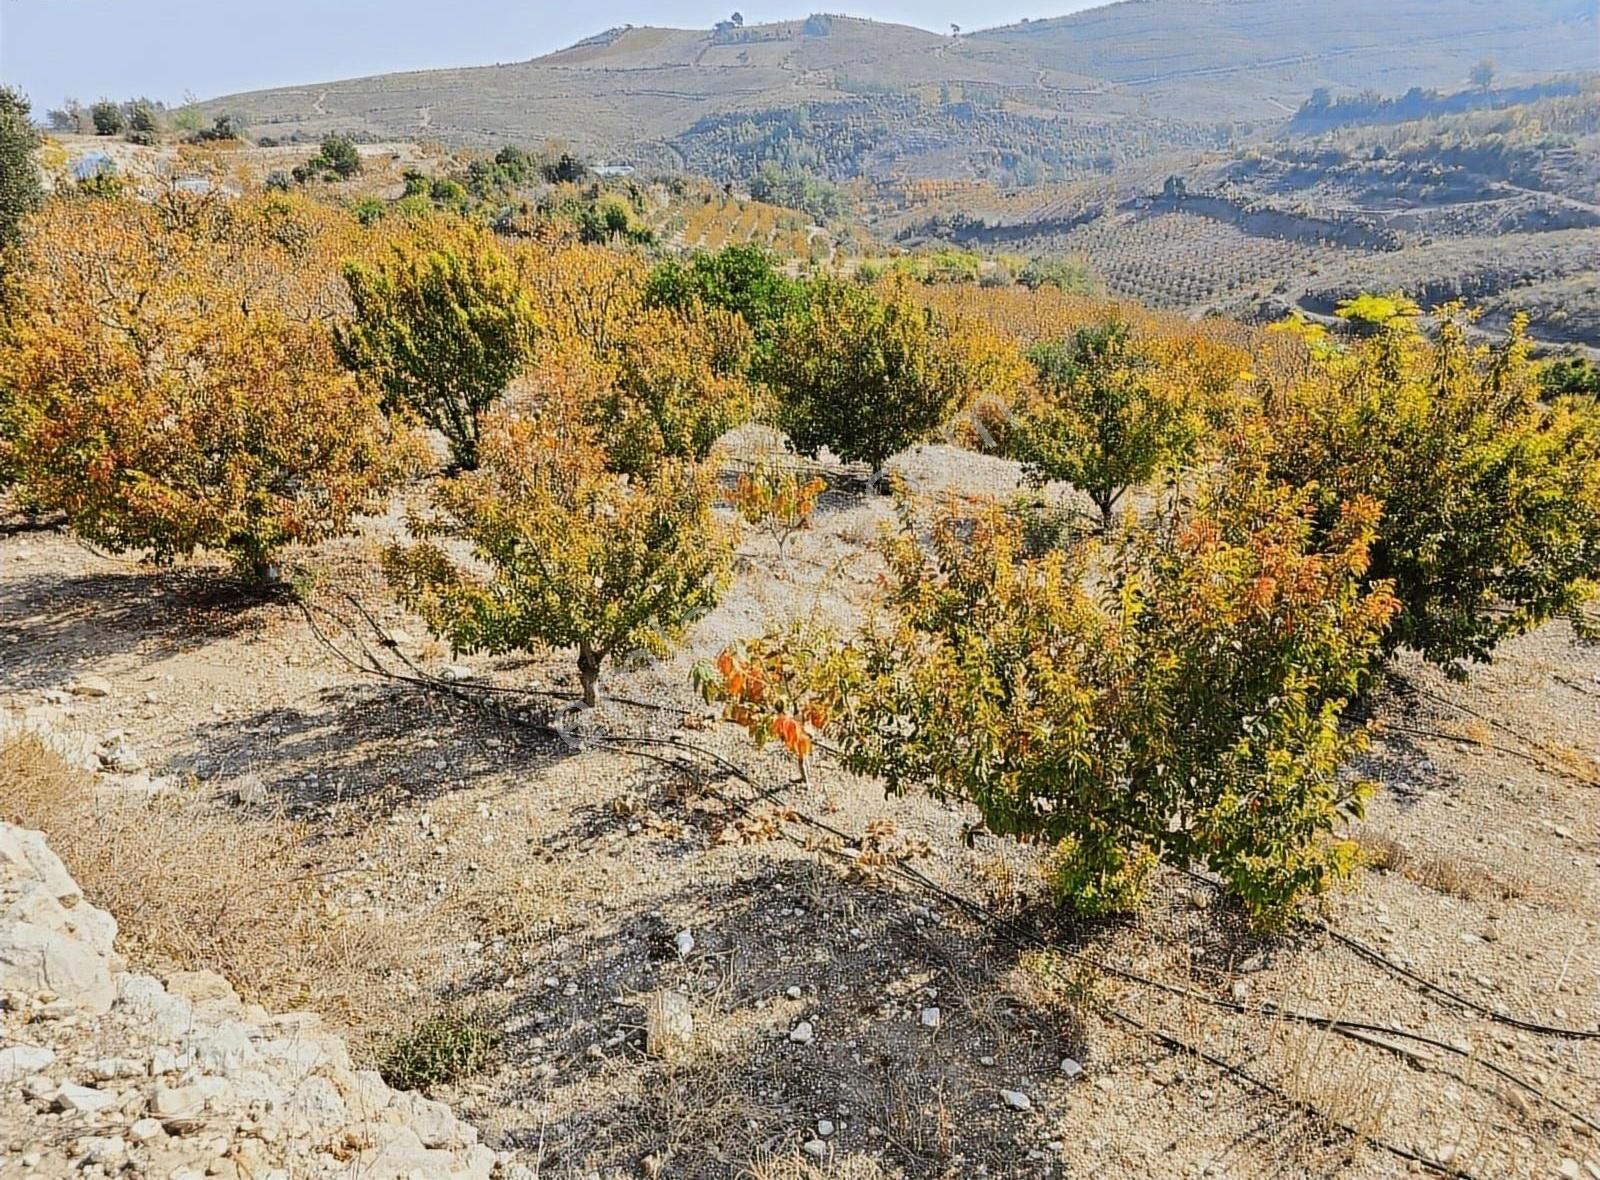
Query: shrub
{"x":775,"y":688}
{"x":575,"y":555}
{"x":867,"y":376}
{"x":441,"y":332}
{"x":107,"y":118}
{"x":339,"y":155}
{"x":366,"y":210}
{"x":1182,"y":702}
{"x":160,"y":409}
{"x":223,"y":129}
{"x":741,"y":278}
{"x":439,"y":1050}
{"x":21,"y":190}
{"x":676,"y":386}
{"x":338,"y":160}
{"x":144,"y":122}
{"x":774,"y":499}
{"x":1368,"y":314}
{"x":564,"y":169}
{"x":1570,"y":376}
{"x":1068,"y":275}
{"x":1491,"y":498}
{"x":1106,"y":417}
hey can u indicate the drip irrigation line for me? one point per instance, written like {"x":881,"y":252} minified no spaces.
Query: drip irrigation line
{"x":1367,"y":951}
{"x":1004,"y":930}
{"x":1020,"y":940}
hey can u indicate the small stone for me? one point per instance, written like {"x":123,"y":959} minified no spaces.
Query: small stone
{"x":399,"y":638}
{"x":456,"y":672}
{"x":21,"y":1060}
{"x":144,"y":1130}
{"x":815,"y":1148}
{"x":1569,"y":1170}
{"x":110,"y":1068}
{"x":1016,"y":1100}
{"x":122,"y":758}
{"x":669,"y":1024}
{"x":794,"y":993}
{"x":83,"y":1099}
{"x":802,"y":1033}
{"x":103,"y":1150}
{"x":1071,"y":1068}
{"x":176,"y":1103}
{"x":930,"y":1018}
{"x":685,"y":943}
{"x":986,"y":1060}
{"x":90,"y":686}
{"x":824,"y":1128}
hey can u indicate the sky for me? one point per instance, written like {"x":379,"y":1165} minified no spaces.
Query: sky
{"x":166,"y":49}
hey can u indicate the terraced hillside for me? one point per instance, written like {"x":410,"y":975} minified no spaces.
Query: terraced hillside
{"x":1498,"y":207}
{"x":851,"y":97}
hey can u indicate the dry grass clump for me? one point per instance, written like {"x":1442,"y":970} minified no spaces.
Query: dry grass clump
{"x":193,"y":887}
{"x":1452,"y":876}
{"x":1318,"y":1070}
{"x":795,"y":1166}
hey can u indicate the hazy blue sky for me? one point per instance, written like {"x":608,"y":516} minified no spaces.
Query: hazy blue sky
{"x":163,"y":48}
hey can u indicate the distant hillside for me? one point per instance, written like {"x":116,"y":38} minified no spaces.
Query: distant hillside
{"x":845,"y":96}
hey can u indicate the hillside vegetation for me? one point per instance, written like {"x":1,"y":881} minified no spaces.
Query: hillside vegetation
{"x":855,"y":97}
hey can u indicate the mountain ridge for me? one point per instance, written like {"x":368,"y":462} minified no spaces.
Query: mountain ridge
{"x":1052,"y":96}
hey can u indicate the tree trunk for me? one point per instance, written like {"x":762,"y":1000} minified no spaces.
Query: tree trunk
{"x":589,"y":674}
{"x":1106,"y":501}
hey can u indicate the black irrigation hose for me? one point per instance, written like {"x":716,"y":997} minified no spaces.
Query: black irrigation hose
{"x":1005,"y":929}
{"x":1179,"y":1046}
{"x":1379,"y":959}
{"x":1541,"y":756}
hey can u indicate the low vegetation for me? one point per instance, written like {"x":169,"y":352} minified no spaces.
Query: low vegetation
{"x":192,"y":372}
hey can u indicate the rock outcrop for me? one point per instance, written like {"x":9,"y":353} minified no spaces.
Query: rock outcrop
{"x":106,"y":1073}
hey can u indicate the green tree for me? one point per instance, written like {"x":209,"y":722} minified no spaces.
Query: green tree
{"x":1482,"y":75}
{"x":867,"y":376}
{"x":21,"y":191}
{"x":576,"y":555}
{"x":107,"y":117}
{"x":1105,"y":419}
{"x":1491,"y":497}
{"x":1181,"y":703}
{"x":741,"y":278}
{"x":339,"y":155}
{"x":442,"y":332}
{"x":1068,"y":275}
{"x":144,"y":121}
{"x":1570,"y":376}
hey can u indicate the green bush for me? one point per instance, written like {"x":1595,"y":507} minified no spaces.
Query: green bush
{"x":867,"y":376}
{"x":441,"y":332}
{"x":1105,"y":418}
{"x":21,"y":191}
{"x":439,"y":1050}
{"x":107,"y":118}
{"x":1179,"y":699}
{"x":1491,"y":496}
{"x":742,"y":278}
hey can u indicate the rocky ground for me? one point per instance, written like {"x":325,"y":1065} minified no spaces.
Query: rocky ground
{"x":108,"y":1073}
{"x":695,"y":975}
